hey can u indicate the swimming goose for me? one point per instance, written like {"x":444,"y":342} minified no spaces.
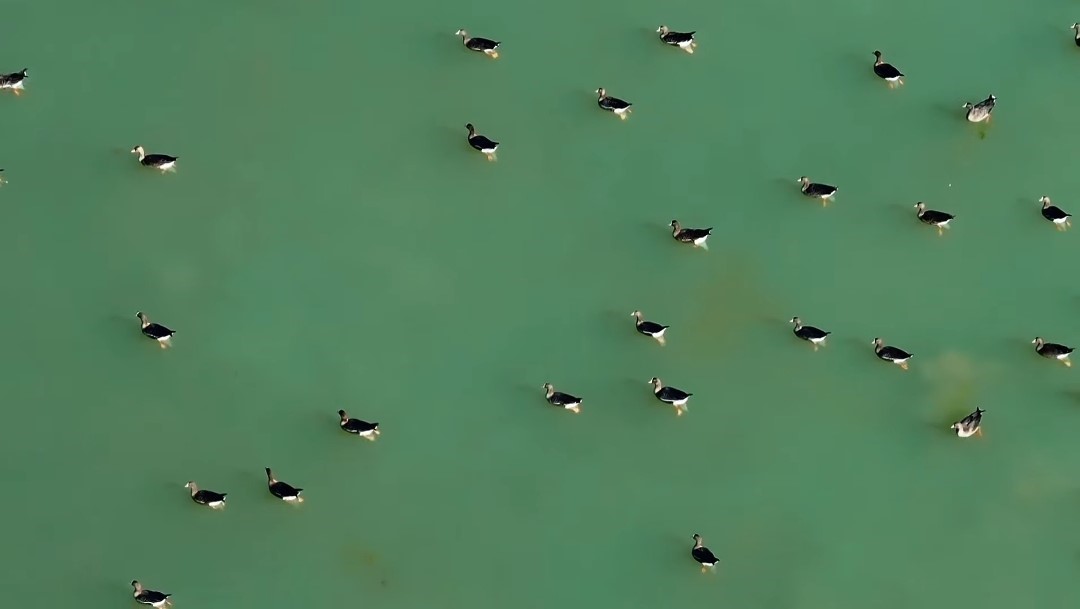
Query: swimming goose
{"x":163,"y":162}
{"x":969,"y":425}
{"x":205,"y":497}
{"x":149,"y":597}
{"x":157,"y":332}
{"x":932,"y":217}
{"x":562,"y":400}
{"x":281,"y":490}
{"x":696,"y":236}
{"x":612,"y":104}
{"x":670,"y":395}
{"x":814,"y":336}
{"x":480,"y":45}
{"x":1053,"y":350}
{"x":481,"y":143}
{"x":13,"y":82}
{"x":817,"y":191}
{"x":980,"y":112}
{"x":891,"y":354}
{"x":369,"y":431}
{"x":683,"y":40}
{"x":1076,"y":33}
{"x":1055,"y":214}
{"x":703,"y":555}
{"x":887,"y":71}
{"x":649,"y":328}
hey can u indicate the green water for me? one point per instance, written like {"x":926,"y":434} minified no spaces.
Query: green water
{"x":330,"y":241}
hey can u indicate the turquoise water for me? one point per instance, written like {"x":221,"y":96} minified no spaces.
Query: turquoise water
{"x":330,"y":241}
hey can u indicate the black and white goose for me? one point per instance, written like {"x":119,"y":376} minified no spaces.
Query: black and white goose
{"x":887,"y":71}
{"x":153,"y":598}
{"x":14,"y":82}
{"x":649,"y":328}
{"x":933,"y":217}
{"x":155,"y":331}
{"x":1055,"y":214}
{"x":815,"y":190}
{"x":683,"y":40}
{"x":359,"y":427}
{"x":695,"y":236}
{"x":703,"y":555}
{"x":1076,"y":33}
{"x":812,"y":335}
{"x":562,"y":400}
{"x":1053,"y":351}
{"x":482,"y":143}
{"x":282,"y":490}
{"x":612,"y":104}
{"x":670,"y":395}
{"x":480,"y":45}
{"x":980,"y":112}
{"x":163,"y":162}
{"x":892,"y":354}
{"x":205,"y":497}
{"x":970,"y":425}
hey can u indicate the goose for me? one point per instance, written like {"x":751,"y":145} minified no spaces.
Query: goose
{"x":157,"y":332}
{"x":163,"y":162}
{"x":14,"y":82}
{"x":481,"y":143}
{"x":815,"y":190}
{"x":205,"y":497}
{"x":887,"y":71}
{"x":670,"y":395}
{"x":891,"y":354}
{"x":359,"y":427}
{"x":282,"y":490}
{"x":1055,"y":214}
{"x":696,"y":236}
{"x":562,"y":400}
{"x":649,"y":328}
{"x":480,"y":45}
{"x":683,"y":40}
{"x":932,"y":217}
{"x":1053,"y":350}
{"x":1076,"y":33}
{"x":812,"y":335}
{"x":612,"y":104}
{"x":980,"y":112}
{"x":703,"y":555}
{"x":969,"y":425}
{"x":149,"y":597}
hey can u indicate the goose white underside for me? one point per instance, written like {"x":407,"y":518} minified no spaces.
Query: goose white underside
{"x":18,"y":85}
{"x":677,"y":403}
{"x":164,"y":339}
{"x":899,"y":362}
{"x":621,"y":111}
{"x":894,"y":78}
{"x":658,"y":335}
{"x":166,"y":166}
{"x":966,"y":433}
{"x":1062,"y":357}
{"x":818,"y":341}
{"x":216,"y":504}
{"x":489,"y":151}
{"x":294,"y":499}
{"x":1061,"y":221}
{"x":701,"y":241}
{"x":369,"y":434}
